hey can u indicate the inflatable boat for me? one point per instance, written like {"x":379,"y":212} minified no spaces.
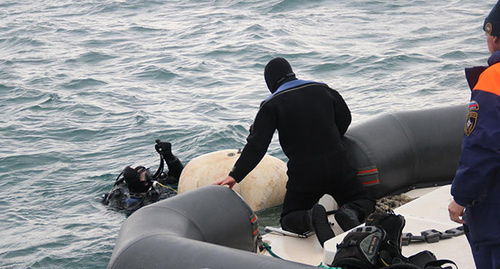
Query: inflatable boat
{"x":214,"y":227}
{"x":401,"y":151}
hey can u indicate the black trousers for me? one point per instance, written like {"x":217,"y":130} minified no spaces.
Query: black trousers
{"x":295,"y":216}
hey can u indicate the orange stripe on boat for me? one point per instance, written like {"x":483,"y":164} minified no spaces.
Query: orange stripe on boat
{"x":371,"y":182}
{"x":368,"y":171}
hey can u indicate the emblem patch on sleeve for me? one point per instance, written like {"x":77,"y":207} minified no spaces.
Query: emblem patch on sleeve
{"x":473,"y":105}
{"x":470,"y":123}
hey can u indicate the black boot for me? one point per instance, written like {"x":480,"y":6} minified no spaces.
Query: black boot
{"x":320,"y":224}
{"x":347,"y":218}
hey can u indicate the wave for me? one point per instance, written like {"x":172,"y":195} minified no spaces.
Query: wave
{"x":83,"y":83}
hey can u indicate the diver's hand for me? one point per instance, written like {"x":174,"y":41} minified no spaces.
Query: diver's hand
{"x":163,"y":147}
{"x":456,"y":212}
{"x":229,"y":181}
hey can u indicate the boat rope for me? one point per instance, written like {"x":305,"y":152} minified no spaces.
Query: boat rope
{"x":328,"y":267}
{"x":268,"y":248}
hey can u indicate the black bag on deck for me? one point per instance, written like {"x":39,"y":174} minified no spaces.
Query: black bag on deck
{"x":379,"y":245}
{"x":360,"y":248}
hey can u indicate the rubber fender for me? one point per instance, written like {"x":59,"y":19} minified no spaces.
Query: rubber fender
{"x":210,"y":227}
{"x":398,"y":151}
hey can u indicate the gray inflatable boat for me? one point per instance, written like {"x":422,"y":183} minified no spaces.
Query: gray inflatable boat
{"x":212,"y":227}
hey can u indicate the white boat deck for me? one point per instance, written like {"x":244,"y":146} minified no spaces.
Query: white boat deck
{"x":430,"y":211}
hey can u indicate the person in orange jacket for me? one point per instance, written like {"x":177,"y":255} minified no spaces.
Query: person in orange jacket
{"x":476,"y":186}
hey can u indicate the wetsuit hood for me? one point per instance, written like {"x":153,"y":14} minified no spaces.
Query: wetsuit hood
{"x":132,"y":177}
{"x":277,"y":72}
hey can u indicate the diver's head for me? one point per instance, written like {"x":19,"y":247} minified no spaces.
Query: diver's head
{"x":277,"y":72}
{"x":138,"y":179}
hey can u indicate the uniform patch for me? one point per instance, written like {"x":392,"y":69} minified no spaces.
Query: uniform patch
{"x":470,"y":123}
{"x":488,"y":28}
{"x":473,"y":105}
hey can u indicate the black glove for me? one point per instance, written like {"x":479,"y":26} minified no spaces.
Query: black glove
{"x":165,"y":149}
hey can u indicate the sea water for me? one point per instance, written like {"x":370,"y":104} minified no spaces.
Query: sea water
{"x":87,"y":86}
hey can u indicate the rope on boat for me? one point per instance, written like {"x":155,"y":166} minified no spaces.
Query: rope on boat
{"x":391,"y":202}
{"x":323,"y":266}
{"x":268,"y":248}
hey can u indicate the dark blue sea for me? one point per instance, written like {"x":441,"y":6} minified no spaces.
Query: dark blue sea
{"x":87,"y":86}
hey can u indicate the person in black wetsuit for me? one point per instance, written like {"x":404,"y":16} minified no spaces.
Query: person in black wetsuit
{"x":137,"y":187}
{"x":311,"y":119}
{"x":139,"y":179}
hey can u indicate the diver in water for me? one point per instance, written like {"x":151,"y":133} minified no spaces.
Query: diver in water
{"x":137,"y":187}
